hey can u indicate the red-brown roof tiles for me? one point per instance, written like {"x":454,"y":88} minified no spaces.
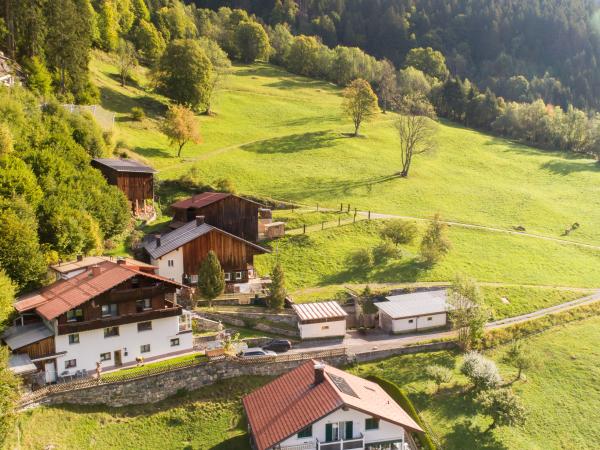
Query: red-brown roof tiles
{"x":292,"y":402}
{"x":64,"y":295}
{"x":200,"y":200}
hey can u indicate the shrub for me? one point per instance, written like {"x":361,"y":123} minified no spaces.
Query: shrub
{"x":137,"y":114}
{"x":503,"y":406}
{"x":362,"y":258}
{"x":386,"y":250}
{"x":225,"y":185}
{"x":481,"y":371}
{"x":399,"y":231}
{"x":439,"y":375}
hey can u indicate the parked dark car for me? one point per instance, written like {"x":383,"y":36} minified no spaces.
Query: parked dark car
{"x":278,"y":345}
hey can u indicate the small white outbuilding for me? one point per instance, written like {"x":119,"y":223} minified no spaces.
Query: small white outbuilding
{"x":413,"y":312}
{"x":320,"y":320}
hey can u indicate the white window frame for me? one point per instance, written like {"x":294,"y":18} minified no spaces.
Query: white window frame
{"x":73,"y":336}
{"x":145,"y":351}
{"x":105,"y":356}
{"x":170,"y":263}
{"x":239,"y":276}
{"x":68,"y":363}
{"x":227,"y":276}
{"x":175,"y":345}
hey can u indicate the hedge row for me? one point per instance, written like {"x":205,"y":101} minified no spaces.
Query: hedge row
{"x":402,"y":399}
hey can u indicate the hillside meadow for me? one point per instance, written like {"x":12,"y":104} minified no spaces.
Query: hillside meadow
{"x":282,"y":136}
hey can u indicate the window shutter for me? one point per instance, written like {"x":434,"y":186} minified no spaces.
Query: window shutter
{"x":349,"y":430}
{"x":328,"y":432}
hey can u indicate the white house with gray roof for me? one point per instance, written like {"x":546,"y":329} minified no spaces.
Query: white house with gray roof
{"x":413,"y":312}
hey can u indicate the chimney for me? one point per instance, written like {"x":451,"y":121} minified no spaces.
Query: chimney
{"x":157,"y":237}
{"x":319,"y":373}
{"x":79,"y":257}
{"x":95,"y":270}
{"x":121,"y":261}
{"x":199,"y":220}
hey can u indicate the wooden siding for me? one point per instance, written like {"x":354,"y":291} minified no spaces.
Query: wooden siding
{"x":233,"y":214}
{"x":135,"y":185}
{"x":39,"y":349}
{"x":233,"y":254}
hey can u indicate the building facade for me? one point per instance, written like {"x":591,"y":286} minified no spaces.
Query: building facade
{"x":320,"y":320}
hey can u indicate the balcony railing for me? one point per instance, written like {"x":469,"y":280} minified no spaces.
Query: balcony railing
{"x":74,"y":327}
{"x":137,"y":293}
{"x":342,"y":444}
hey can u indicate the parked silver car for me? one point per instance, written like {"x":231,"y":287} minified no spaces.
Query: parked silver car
{"x":256,"y":351}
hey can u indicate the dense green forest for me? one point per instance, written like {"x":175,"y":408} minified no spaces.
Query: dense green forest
{"x":522,"y":50}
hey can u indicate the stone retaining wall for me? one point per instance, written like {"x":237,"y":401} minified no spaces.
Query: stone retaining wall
{"x":253,"y":321}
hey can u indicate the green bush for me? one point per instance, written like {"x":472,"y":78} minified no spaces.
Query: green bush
{"x":137,"y":114}
{"x":400,"y":397}
{"x":361,"y":258}
{"x":386,"y":250}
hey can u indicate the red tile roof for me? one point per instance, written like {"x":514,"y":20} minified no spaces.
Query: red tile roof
{"x":64,"y":295}
{"x":200,"y":200}
{"x":292,"y":402}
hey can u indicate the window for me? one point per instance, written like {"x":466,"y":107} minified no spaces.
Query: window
{"x":75,"y":315}
{"x":227,"y":276}
{"x":110,"y":310}
{"x":144,"y":326}
{"x":410,"y":321}
{"x":144,"y":348}
{"x":135,"y":282}
{"x":372,"y":424}
{"x":325,"y":327}
{"x":305,"y":433}
{"x":238,"y":275}
{"x":74,"y":338}
{"x":105,"y":356}
{"x":174,"y":342}
{"x":170,"y":263}
{"x":70,"y":363}
{"x":430,"y":318}
{"x":143,"y":305}
{"x":111,"y":331}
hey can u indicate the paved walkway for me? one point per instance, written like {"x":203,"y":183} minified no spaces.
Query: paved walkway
{"x":378,"y":340}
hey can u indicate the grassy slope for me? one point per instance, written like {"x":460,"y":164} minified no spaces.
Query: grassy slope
{"x":209,"y":418}
{"x":561,"y":395}
{"x":321,"y":259}
{"x":280,"y":135}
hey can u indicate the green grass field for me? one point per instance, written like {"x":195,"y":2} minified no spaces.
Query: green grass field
{"x":282,"y":136}
{"x":561,"y":394}
{"x":322,"y":259}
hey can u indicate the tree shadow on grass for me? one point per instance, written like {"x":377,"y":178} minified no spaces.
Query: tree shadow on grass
{"x":400,"y":271}
{"x":153,"y":152}
{"x":468,"y":435}
{"x":334,"y":187}
{"x":293,"y":143}
{"x":240,"y":442}
{"x":569,"y":167}
{"x":121,"y":103}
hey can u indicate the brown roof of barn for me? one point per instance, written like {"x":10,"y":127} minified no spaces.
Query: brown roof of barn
{"x":293,"y":401}
{"x":319,"y":311}
{"x":124,"y":165}
{"x":204,"y":199}
{"x":64,"y":295}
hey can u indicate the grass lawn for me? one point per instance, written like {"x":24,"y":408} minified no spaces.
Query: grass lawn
{"x":209,"y":418}
{"x":298,"y":218}
{"x":135,"y":370}
{"x":322,"y":259}
{"x":561,"y":394}
{"x":282,"y":136}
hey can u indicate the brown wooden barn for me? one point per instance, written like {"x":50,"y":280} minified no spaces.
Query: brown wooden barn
{"x":233,"y":214}
{"x":136,"y":180}
{"x":179,"y":253}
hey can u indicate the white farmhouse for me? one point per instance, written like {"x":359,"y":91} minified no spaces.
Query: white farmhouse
{"x":320,"y":320}
{"x":319,"y":407}
{"x":413,"y":312}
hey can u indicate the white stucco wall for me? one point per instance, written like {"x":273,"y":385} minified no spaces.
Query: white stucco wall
{"x":174,"y":273}
{"x":322,"y":329}
{"x":418,"y":323}
{"x":387,"y":431}
{"x":92,"y":343}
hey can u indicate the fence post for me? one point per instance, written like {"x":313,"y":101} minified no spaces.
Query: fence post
{"x":354,"y":219}
{"x":304,"y":229}
{"x":369,"y":215}
{"x":339,"y":220}
{"x":341,"y":207}
{"x":322,"y":225}
{"x":317,"y":207}
{"x":348,"y":207}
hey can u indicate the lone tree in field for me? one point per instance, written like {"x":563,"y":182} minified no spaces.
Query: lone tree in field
{"x":519,"y":358}
{"x":467,"y":313}
{"x":277,"y":292}
{"x":415,"y":136}
{"x":180,"y":126}
{"x":360,"y":102}
{"x":127,"y":59}
{"x":400,"y":232}
{"x":481,"y":371}
{"x":503,"y":406}
{"x":439,"y":375}
{"x":435,"y":243}
{"x":211,"y":280}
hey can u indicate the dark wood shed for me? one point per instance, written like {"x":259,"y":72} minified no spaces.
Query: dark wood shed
{"x":233,"y":214}
{"x":136,"y":180}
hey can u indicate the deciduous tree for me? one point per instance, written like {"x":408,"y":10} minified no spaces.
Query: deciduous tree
{"x":211,"y":279}
{"x":360,"y":102}
{"x":415,"y":138}
{"x":252,"y":41}
{"x":387,"y":84}
{"x":503,"y":406}
{"x":181,"y":126}
{"x":400,"y":232}
{"x":435,"y":243}
{"x":127,"y":59}
{"x":439,"y":375}
{"x":481,"y":371}
{"x":519,"y":358}
{"x":468,"y":313}
{"x":9,"y":395}
{"x":429,"y":61}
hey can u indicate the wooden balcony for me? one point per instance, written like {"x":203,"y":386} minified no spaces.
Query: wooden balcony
{"x":342,"y":444}
{"x":75,"y":327}
{"x":140,"y":293}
